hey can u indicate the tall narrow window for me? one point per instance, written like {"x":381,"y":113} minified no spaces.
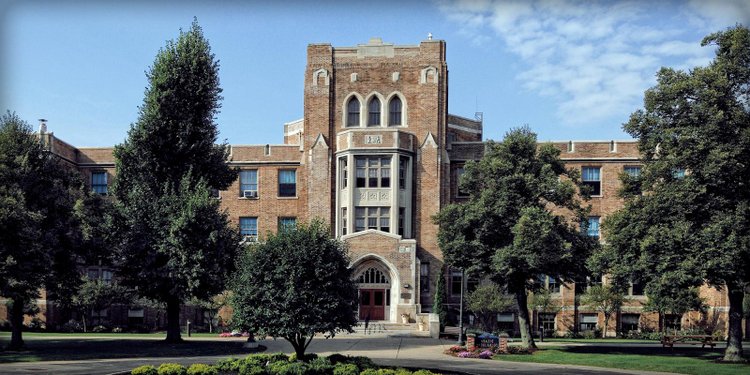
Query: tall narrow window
{"x":344,"y":173}
{"x":352,"y":112}
{"x":249,"y":183}
{"x":344,"y":221}
{"x":99,"y":182}
{"x":287,"y":183}
{"x":249,"y":228}
{"x":456,"y":282}
{"x":394,"y":115}
{"x":374,"y":112}
{"x":424,"y":277}
{"x":460,"y":172}
{"x":361,"y":164}
{"x":401,"y":214}
{"x":403,"y":165}
{"x":593,"y":179}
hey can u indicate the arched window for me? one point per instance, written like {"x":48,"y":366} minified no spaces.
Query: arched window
{"x":372,"y":275}
{"x":394,"y":117}
{"x":352,"y":112}
{"x":374,"y":108}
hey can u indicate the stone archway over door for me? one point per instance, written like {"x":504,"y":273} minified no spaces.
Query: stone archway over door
{"x":375,"y":284}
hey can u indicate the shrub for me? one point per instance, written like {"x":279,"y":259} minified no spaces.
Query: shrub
{"x":99,"y":329}
{"x":144,"y":370}
{"x":402,"y":371}
{"x":308,"y":357}
{"x":288,"y":368}
{"x":37,"y":324}
{"x":252,"y":369}
{"x":423,"y":372}
{"x":369,"y":371}
{"x":276,"y":357}
{"x":337,"y":358}
{"x":172,"y":369}
{"x":117,"y":330}
{"x":72,"y":326}
{"x":465,"y":355}
{"x":201,"y":369}
{"x":363,"y":363}
{"x":255,"y":360}
{"x":320,"y":366}
{"x":345,"y":369}
{"x":386,"y":371}
{"x":229,"y":365}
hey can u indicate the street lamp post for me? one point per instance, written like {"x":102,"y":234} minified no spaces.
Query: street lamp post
{"x":461,"y":311}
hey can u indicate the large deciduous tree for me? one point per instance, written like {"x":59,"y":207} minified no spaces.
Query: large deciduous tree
{"x":507,"y":229}
{"x":295,"y":284}
{"x":486,"y":301}
{"x":692,"y":224}
{"x":173,"y":243}
{"x":39,"y":232}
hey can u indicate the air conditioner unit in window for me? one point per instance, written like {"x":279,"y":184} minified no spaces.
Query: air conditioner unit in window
{"x":250,"y":193}
{"x":249,"y":239}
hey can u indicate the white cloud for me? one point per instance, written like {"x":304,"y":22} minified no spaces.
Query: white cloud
{"x":595,"y":58}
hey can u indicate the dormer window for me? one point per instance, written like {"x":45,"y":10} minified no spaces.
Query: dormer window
{"x":394,"y":115}
{"x":352,"y":112}
{"x":374,"y":112}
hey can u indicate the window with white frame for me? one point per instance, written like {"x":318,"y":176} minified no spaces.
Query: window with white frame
{"x":344,"y":221}
{"x":377,"y":218}
{"x":287,"y":183}
{"x":592,"y":229}
{"x":287,"y":223}
{"x":506,"y":322}
{"x":456,"y":282}
{"x":344,"y":172}
{"x":249,"y":183}
{"x":99,"y":182}
{"x":424,"y":277}
{"x":460,"y":172}
{"x":591,"y":177}
{"x":373,"y":171}
{"x":588,"y":322}
{"x":633,"y":171}
{"x":403,"y":168}
{"x":249,"y":228}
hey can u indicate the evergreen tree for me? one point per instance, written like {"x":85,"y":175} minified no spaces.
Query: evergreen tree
{"x":506,"y":229}
{"x":40,"y":235}
{"x":172,"y":243}
{"x":438,"y":303}
{"x":295,"y":284}
{"x":692,"y":226}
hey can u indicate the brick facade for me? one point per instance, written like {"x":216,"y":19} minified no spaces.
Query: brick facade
{"x":408,"y":167}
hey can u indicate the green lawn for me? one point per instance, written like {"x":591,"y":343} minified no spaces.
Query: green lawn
{"x":599,"y":341}
{"x":80,"y":346}
{"x":680,"y":360}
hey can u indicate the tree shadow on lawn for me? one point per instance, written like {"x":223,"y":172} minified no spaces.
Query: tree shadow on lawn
{"x":71,"y":349}
{"x":693,"y":352}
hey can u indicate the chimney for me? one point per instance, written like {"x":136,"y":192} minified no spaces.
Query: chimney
{"x":42,"y":126}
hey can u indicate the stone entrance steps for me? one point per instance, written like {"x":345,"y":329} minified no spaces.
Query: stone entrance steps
{"x":382,"y":328}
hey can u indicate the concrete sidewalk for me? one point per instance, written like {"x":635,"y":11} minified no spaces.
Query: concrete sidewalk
{"x":411,"y":352}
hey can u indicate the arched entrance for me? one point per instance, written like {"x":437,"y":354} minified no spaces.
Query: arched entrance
{"x":376,"y":282}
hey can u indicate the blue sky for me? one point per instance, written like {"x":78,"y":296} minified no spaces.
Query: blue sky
{"x":569,"y":69}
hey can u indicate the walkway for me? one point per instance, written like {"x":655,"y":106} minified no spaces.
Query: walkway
{"x":384,"y":350}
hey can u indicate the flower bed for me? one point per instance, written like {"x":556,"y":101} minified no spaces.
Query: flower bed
{"x":281,"y":364}
{"x":484,"y":353}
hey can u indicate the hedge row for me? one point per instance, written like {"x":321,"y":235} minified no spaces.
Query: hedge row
{"x":280,"y":364}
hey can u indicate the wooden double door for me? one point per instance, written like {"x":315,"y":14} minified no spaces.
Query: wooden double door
{"x":372,"y":304}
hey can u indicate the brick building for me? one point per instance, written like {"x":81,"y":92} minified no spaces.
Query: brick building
{"x":376,"y":155}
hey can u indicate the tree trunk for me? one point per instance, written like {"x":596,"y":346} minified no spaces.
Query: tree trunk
{"x":16,"y":324}
{"x":527,"y":341}
{"x":298,"y":343}
{"x":606,"y":324}
{"x":733,"y":353}
{"x":83,"y":319}
{"x":173,"y":320}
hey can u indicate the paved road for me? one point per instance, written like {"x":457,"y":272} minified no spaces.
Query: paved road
{"x":391,"y":351}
